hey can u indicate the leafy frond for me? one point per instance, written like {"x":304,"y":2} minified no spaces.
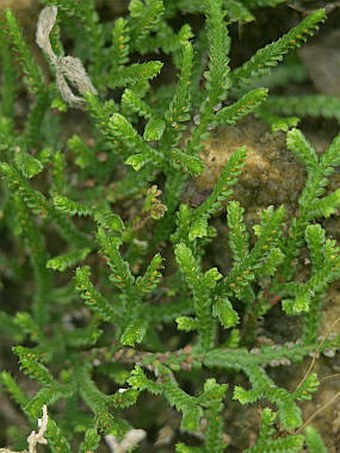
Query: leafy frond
{"x":124,"y":398}
{"x":32,"y":198}
{"x":314,"y":441}
{"x":188,"y":405}
{"x":182,"y":448}
{"x":238,"y":236}
{"x":132,"y":102}
{"x":223,"y":309}
{"x":268,"y":418}
{"x":309,"y":385}
{"x":140,"y":152}
{"x":201,"y":285}
{"x":186,"y":323}
{"x":28,"y":164}
{"x":63,"y":262}
{"x":33,"y":75}
{"x":149,"y":281}
{"x":237,"y":11}
{"x":262,"y":3}
{"x":191,"y":164}
{"x":29,"y":362}
{"x":8,"y":88}
{"x":56,"y":438}
{"x":28,"y":325}
{"x":248,"y":103}
{"x":211,"y":398}
{"x":95,"y":36}
{"x":17,"y":394}
{"x":121,"y":273}
{"x":179,"y":107}
{"x":299,"y":146}
{"x":325,"y":256}
{"x":220,"y":193}
{"x":217,"y":76}
{"x":119,"y":50}
{"x":135,"y":75}
{"x":144,"y":19}
{"x":9,"y":327}
{"x":98,"y":402}
{"x":35,"y":118}
{"x":268,"y":57}
{"x":45,"y":396}
{"x":92,"y":297}
{"x":311,"y":205}
{"x":135,"y":330}
{"x":244,"y":271}
{"x":139,"y":381}
{"x":91,"y":441}
{"x":331,"y":157}
{"x":288,"y":444}
{"x":312,"y":105}
{"x":102,"y":215}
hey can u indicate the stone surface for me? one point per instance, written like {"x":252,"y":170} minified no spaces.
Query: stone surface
{"x":326,"y":52}
{"x":271,"y":175}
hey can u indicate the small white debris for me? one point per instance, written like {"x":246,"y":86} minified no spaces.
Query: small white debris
{"x":70,"y":72}
{"x":165,"y":436}
{"x":285,"y":361}
{"x":34,"y":438}
{"x":329,"y":353}
{"x":38,"y":438}
{"x":131,"y":438}
{"x":274,"y":363}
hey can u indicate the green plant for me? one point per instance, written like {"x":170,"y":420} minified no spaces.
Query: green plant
{"x":131,"y":255}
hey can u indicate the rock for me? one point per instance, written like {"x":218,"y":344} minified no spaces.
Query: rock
{"x":271,"y":175}
{"x":326,"y":73}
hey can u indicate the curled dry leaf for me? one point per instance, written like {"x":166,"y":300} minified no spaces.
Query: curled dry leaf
{"x":131,"y":439}
{"x":70,"y":72}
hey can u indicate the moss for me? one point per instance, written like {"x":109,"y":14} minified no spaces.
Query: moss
{"x":167,"y":262}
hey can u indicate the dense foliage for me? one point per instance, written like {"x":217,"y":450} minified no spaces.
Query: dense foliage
{"x":116,"y":301}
